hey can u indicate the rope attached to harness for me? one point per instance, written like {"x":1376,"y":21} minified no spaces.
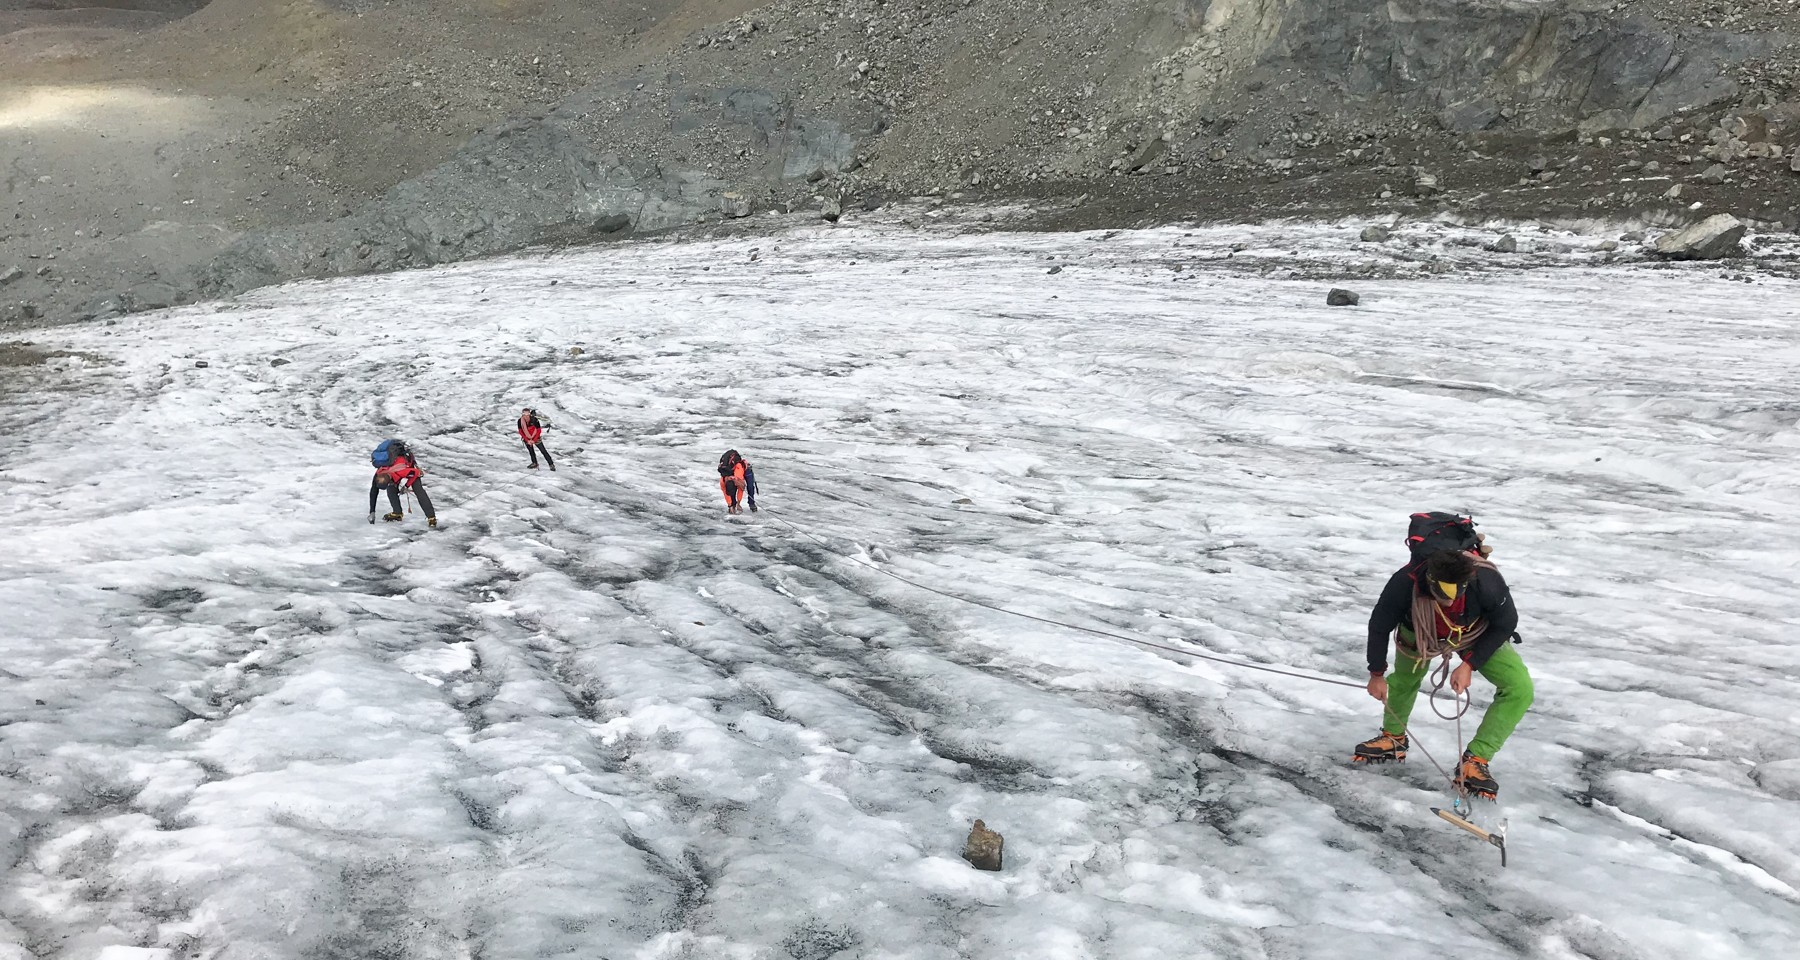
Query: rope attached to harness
{"x":1460,"y":639}
{"x":1229,"y":661}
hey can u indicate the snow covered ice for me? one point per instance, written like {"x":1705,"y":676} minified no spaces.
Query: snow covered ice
{"x":593,"y":717}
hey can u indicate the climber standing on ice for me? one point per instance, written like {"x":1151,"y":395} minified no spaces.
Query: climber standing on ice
{"x":1449,"y":601}
{"x":531,"y":430}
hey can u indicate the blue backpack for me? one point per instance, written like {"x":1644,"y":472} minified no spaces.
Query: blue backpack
{"x":387,"y":452}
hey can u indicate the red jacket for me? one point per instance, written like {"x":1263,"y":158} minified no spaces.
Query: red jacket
{"x":402,"y":471}
{"x":529,"y":431}
{"x":1448,"y":618}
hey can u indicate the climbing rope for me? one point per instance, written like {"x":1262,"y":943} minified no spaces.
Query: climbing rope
{"x":1460,"y":802}
{"x":1072,"y":626}
{"x":1440,"y":676}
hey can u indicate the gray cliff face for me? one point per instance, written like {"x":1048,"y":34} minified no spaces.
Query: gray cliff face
{"x":1542,"y":66}
{"x":546,"y":178}
{"x":1571,"y":67}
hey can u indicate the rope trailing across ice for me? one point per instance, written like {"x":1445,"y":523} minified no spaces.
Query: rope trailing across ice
{"x":1075,"y":626}
{"x":1462,"y":702}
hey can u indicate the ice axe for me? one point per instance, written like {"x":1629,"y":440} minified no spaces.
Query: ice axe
{"x":1497,"y":838}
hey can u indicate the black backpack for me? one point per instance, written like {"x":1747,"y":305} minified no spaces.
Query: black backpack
{"x":728,"y":462}
{"x":1434,"y":532}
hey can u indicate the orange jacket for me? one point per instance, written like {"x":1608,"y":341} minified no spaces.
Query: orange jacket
{"x":732,"y":484}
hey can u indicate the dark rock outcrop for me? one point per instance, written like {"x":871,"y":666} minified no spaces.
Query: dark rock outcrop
{"x":1568,"y":63}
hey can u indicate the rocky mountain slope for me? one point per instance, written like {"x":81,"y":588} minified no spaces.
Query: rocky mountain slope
{"x":160,"y":151}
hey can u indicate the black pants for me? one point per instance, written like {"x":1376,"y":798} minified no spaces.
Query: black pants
{"x":540,"y":449}
{"x":393,"y":493}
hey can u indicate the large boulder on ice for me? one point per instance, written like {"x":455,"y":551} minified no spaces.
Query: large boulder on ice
{"x":1714,"y":238}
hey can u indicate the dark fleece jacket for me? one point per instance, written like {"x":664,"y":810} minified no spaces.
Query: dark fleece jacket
{"x":1488,"y":598}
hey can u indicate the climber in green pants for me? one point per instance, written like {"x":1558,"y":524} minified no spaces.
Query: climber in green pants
{"x":1469,"y":613}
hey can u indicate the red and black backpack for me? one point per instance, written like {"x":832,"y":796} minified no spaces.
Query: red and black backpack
{"x":1434,"y":532}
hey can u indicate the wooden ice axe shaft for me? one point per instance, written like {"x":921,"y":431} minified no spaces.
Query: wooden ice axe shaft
{"x":1496,"y":839}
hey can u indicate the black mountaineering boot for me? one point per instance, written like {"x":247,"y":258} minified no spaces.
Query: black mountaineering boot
{"x":393,"y":517}
{"x":1386,"y":748}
